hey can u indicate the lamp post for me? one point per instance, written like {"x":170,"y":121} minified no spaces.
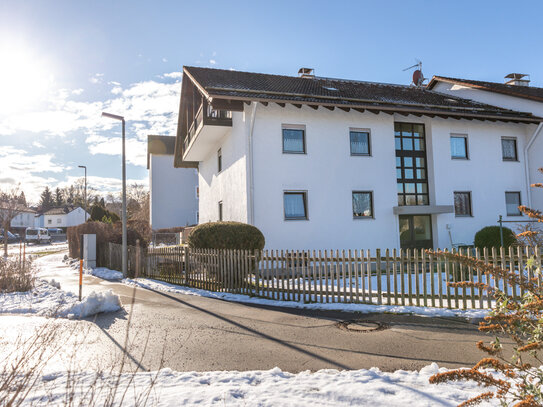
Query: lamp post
{"x":85,"y":195}
{"x":125,"y":246}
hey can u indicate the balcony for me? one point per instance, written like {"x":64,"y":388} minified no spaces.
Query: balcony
{"x":207,"y":128}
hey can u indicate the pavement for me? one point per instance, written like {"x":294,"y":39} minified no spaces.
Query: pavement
{"x":191,"y":333}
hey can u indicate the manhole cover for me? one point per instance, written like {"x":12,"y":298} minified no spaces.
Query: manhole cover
{"x":362,"y":326}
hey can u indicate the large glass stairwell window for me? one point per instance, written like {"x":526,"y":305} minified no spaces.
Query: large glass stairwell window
{"x":411,"y":170}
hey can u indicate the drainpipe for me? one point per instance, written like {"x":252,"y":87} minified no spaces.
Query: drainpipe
{"x":250,"y":172}
{"x":527,"y":164}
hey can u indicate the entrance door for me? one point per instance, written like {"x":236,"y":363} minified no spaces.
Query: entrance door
{"x":416,"y":232}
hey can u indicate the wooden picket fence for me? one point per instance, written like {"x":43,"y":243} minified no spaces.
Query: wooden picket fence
{"x":389,"y":277}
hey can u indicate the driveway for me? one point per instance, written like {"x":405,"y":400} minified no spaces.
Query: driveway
{"x":192,"y":333}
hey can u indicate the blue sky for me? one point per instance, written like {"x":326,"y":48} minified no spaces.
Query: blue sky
{"x":63,"y":62}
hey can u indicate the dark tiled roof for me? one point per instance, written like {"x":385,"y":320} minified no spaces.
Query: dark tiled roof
{"x":228,"y":84}
{"x":526,"y":92}
{"x":160,"y":145}
{"x":60,"y":211}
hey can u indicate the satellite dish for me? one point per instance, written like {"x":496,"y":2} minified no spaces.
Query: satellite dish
{"x":418,"y":77}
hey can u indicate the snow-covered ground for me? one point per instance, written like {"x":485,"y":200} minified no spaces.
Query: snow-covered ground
{"x":47,"y":299}
{"x":265,"y":388}
{"x":14,"y":248}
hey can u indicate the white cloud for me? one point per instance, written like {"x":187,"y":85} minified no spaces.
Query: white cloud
{"x":116,"y":90}
{"x":212,"y":61}
{"x":173,"y":75}
{"x":78,"y":91}
{"x":105,"y":185}
{"x":19,"y":167}
{"x":37,"y":144}
{"x":164,"y":60}
{"x":96,"y":78}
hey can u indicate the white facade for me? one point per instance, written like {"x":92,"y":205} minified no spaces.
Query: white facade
{"x":534,"y":153}
{"x":174,"y":193}
{"x":251,"y":185}
{"x":23,"y":219}
{"x":64,"y":220}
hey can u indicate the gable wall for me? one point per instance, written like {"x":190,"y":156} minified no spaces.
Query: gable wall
{"x":535,"y":153}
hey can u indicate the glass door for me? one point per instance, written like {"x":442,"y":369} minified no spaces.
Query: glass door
{"x":416,"y":232}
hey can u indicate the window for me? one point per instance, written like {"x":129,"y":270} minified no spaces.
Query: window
{"x":462,"y":203}
{"x":362,"y":204}
{"x":512,"y":202}
{"x":219,"y":160}
{"x":197,"y":192}
{"x":197,"y":217}
{"x":295,"y":204}
{"x":459,"y":147}
{"x":59,"y":220}
{"x":49,"y":221}
{"x":509,"y":149}
{"x":293,"y":140}
{"x":360,"y":142}
{"x":411,"y":174}
{"x":220,"y":211}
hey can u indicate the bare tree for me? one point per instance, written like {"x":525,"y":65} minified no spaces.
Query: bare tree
{"x":9,"y":209}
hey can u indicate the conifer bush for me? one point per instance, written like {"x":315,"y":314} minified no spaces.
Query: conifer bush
{"x":489,"y":237}
{"x":226,"y":235}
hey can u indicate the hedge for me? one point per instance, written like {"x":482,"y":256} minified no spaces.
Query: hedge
{"x":226,"y":235}
{"x":489,"y":236}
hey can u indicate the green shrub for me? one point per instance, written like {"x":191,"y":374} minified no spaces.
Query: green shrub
{"x":99,"y":213}
{"x":490,"y":237}
{"x":226,"y":235}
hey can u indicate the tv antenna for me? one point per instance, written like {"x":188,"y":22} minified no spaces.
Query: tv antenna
{"x":418,"y":77}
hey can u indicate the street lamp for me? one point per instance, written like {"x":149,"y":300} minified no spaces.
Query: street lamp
{"x":125,"y":246}
{"x":85,"y":196}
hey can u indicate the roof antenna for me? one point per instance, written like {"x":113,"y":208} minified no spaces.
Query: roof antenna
{"x":418,"y":77}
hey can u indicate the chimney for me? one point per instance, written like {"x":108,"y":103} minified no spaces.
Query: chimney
{"x":306,"y":73}
{"x":517,"y":79}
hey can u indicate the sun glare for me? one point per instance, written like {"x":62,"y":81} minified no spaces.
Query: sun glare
{"x":25,"y":78}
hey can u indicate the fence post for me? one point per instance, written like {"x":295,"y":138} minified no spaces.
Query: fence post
{"x":138,"y":259}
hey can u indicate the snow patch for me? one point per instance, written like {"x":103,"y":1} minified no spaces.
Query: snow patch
{"x":49,"y":300}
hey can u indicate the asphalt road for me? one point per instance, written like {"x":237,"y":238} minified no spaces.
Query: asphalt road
{"x":191,"y":333}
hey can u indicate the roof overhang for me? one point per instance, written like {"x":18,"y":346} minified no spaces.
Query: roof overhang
{"x":161,"y":145}
{"x":509,"y":92}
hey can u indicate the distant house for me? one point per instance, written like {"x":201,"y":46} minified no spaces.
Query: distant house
{"x":173,"y":191}
{"x":324,"y":163}
{"x":24,"y":219}
{"x":515,"y":94}
{"x":64,"y":217}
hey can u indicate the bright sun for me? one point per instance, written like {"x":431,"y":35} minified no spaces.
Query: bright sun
{"x":25,"y":78}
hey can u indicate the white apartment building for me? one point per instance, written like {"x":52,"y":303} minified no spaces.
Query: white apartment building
{"x":515,"y":94}
{"x":173,"y":191}
{"x":318,"y":163}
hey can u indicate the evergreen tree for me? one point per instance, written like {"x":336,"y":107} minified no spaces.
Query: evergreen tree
{"x":22,"y":199}
{"x":71,"y":195}
{"x":59,"y":198}
{"x":46,"y":199}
